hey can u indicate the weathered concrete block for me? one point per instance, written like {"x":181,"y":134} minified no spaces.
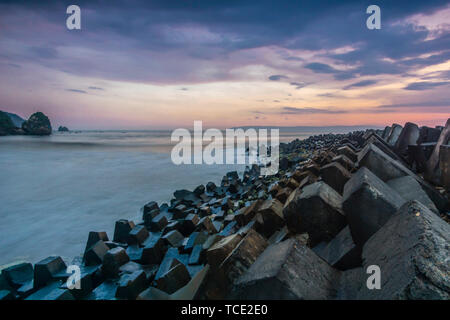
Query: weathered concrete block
{"x":383,"y":146}
{"x":221,"y":249}
{"x":188,"y":224}
{"x":206,"y":224}
{"x":292,"y":183}
{"x":47,"y":270}
{"x":284,"y":271}
{"x":190,"y":291}
{"x":218,"y":225}
{"x":122,"y":229}
{"x":212,"y":239}
{"x":18,"y":275}
{"x":149,"y":207}
{"x":409,"y":189}
{"x":220,"y":281}
{"x":348,"y":152}
{"x":271,"y":212}
{"x":428,"y":134}
{"x":159,"y":222}
{"x":380,"y":163}
{"x":418,"y":155}
{"x":51,"y":292}
{"x":432,"y":172}
{"x":335,"y":175}
{"x":4,"y":285}
{"x":153,"y":251}
{"x":171,"y":258}
{"x":243,"y":256}
{"x":299,"y":175}
{"x":179,"y":211}
{"x":274,"y":188}
{"x":279,"y":236}
{"x":386,"y":169}
{"x":172,"y":225}
{"x":25,"y":290}
{"x":444,"y":165}
{"x":112,"y":244}
{"x":317,"y":210}
{"x":386,"y":132}
{"x":134,"y":252}
{"x":341,"y":252}
{"x":130,"y":285}
{"x":137,"y":235}
{"x":197,"y":255}
{"x":368,"y":204}
{"x":411,"y":250}
{"x":408,"y":135}
{"x":283,"y":194}
{"x":112,"y":261}
{"x":174,"y":279}
{"x":149,"y":216}
{"x":344,"y":161}
{"x":229,"y":229}
{"x":394,"y":134}
{"x":229,"y":218}
{"x":93,"y":238}
{"x":130,"y":267}
{"x":6,"y":295}
{"x":105,"y":291}
{"x":152,"y":293}
{"x":246,"y":214}
{"x":313,"y":168}
{"x":310,"y":179}
{"x":95,"y":254}
{"x":196,"y":238}
{"x":349,"y":284}
{"x":173,"y":238}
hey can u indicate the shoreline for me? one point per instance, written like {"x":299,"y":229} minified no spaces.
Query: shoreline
{"x":203,"y":237}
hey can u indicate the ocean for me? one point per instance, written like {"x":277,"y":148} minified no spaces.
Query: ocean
{"x":55,"y":189}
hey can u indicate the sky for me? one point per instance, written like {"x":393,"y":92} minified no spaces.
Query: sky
{"x":145,"y":64}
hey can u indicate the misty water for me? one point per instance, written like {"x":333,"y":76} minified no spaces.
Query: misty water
{"x":54,"y":190}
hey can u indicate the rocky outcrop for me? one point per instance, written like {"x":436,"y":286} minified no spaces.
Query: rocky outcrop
{"x":38,"y":124}
{"x":6,"y":125}
{"x":63,"y":129}
{"x":17,"y":120}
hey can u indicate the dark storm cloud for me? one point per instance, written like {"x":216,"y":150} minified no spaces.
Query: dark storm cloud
{"x":304,"y":110}
{"x":76,"y":90}
{"x":328,"y":95}
{"x":43,"y":52}
{"x":298,"y":85}
{"x":309,"y":110}
{"x":172,"y":41}
{"x":433,"y":103}
{"x":359,"y":84}
{"x":277,"y":77}
{"x":321,"y":68}
{"x":424,"y":85}
{"x":293,"y":59}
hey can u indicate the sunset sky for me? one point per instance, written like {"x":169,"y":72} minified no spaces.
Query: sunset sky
{"x":163,"y":64}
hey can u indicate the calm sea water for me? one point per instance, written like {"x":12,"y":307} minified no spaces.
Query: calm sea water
{"x":54,"y":190}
